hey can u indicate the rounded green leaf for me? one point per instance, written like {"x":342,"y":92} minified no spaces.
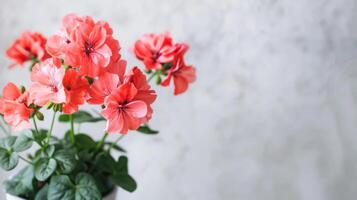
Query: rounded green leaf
{"x":40,"y":135}
{"x":83,"y":141}
{"x":23,"y":142}
{"x":8,"y":159}
{"x":42,"y":194}
{"x":86,"y":188}
{"x":21,"y":183}
{"x":62,"y":188}
{"x":7,"y":142}
{"x":49,"y":151}
{"x":65,"y":160}
{"x":44,"y":168}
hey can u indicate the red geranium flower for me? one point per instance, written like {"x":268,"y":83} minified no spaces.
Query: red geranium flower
{"x":14,"y":107}
{"x":127,"y":98}
{"x":28,"y":46}
{"x":85,"y":44}
{"x":122,"y":111}
{"x":75,"y":87}
{"x":144,"y":93}
{"x":107,"y":82}
{"x":89,"y":51}
{"x":154,"y":50}
{"x":47,"y":83}
{"x":181,"y":73}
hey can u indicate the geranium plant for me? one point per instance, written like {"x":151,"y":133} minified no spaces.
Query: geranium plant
{"x":81,"y":64}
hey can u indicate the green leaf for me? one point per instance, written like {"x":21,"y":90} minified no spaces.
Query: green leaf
{"x":86,"y":155}
{"x":105,"y":186}
{"x":80,"y":117}
{"x":7,"y":142}
{"x":66,"y":141}
{"x":83,"y":141}
{"x":23,"y":142}
{"x":105,"y":162}
{"x":62,"y":188}
{"x":122,"y":165}
{"x":8,"y":159}
{"x":86,"y":187}
{"x":147,"y":130}
{"x":44,"y":168}
{"x":42,"y":194}
{"x":40,"y":136}
{"x":125,"y":181}
{"x":65,"y":160}
{"x":21,"y":183}
{"x":115,"y":146}
{"x":49,"y":151}
{"x":121,"y":177}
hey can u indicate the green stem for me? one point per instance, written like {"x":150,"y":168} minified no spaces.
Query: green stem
{"x":37,"y":132}
{"x":35,"y":124}
{"x":49,"y":134}
{"x":101,"y":142}
{"x":73,"y":139}
{"x":24,"y":159}
{"x":152,"y":76}
{"x":115,"y":142}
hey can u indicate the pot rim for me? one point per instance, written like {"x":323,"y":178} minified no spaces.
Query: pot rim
{"x":114,"y":191}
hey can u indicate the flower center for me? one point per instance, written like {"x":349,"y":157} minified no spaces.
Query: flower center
{"x":54,"y":88}
{"x":88,"y":48}
{"x":121,"y":107}
{"x":155,"y":55}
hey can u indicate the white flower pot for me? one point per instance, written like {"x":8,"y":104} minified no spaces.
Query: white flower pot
{"x":10,"y":197}
{"x":111,"y":196}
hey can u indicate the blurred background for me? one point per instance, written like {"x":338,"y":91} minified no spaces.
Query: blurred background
{"x":273,"y":114}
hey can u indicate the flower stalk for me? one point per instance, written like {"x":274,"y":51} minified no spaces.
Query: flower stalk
{"x":72,"y":134}
{"x":49,"y":133}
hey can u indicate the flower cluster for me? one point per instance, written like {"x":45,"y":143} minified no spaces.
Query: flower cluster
{"x":85,"y":44}
{"x":82,"y":64}
{"x":163,"y":57}
{"x":85,"y":65}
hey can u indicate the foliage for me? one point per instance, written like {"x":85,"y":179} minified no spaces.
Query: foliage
{"x":59,"y":169}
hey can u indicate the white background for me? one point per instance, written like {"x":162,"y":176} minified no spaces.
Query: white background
{"x":273,"y":114}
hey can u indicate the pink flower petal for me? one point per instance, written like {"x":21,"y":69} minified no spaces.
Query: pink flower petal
{"x":11,"y":91}
{"x":137,"y":109}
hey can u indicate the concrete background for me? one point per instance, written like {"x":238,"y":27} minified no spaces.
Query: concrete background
{"x":273,"y":113}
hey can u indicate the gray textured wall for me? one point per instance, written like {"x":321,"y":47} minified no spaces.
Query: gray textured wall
{"x":273,"y":114}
